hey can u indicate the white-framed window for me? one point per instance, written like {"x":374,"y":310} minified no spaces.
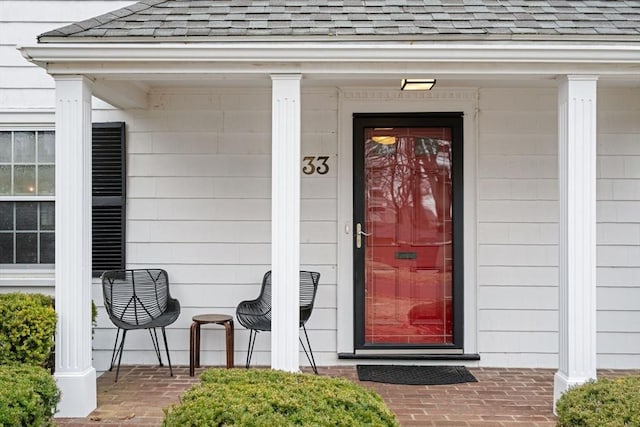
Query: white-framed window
{"x":27,"y":187}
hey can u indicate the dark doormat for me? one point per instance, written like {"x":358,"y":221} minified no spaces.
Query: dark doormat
{"x":415,"y":375}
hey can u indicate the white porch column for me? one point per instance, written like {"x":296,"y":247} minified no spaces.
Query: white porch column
{"x":577,"y":249}
{"x":74,"y":374}
{"x":285,"y":222}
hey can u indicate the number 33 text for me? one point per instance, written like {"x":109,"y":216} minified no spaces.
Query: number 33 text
{"x":315,"y":164}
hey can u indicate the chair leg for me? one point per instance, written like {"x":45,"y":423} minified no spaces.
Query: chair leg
{"x":156,"y":344}
{"x":166,"y":347}
{"x":114,"y":354}
{"x":311,"y":359}
{"x":124,"y":335}
{"x":252,"y":340}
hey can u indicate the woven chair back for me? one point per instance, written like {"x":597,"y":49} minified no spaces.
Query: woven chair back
{"x":308,"y":288}
{"x":135,"y":297}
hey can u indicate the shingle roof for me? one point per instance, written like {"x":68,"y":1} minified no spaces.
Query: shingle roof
{"x":163,"y":20}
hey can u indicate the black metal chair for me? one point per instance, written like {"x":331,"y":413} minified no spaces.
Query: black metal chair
{"x":255,"y":315}
{"x":139,"y":299}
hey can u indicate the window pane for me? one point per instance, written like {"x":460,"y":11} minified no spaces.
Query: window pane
{"x":5,"y":147}
{"x":27,"y":216}
{"x":26,"y":248}
{"x":25,"y":179}
{"x":5,"y":179}
{"x":24,"y":147}
{"x":46,"y":180}
{"x":6,"y":216}
{"x":47,"y":248}
{"x":47,"y":216}
{"x":46,"y":147}
{"x":6,"y":248}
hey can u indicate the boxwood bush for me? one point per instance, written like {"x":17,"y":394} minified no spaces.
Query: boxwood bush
{"x":240,"y":397}
{"x":605,"y":402}
{"x":27,"y":328}
{"x":28,"y":396}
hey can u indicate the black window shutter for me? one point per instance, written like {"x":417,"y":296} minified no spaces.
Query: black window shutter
{"x":109,"y":197}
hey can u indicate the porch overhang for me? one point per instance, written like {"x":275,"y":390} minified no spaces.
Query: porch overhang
{"x":123,"y":73}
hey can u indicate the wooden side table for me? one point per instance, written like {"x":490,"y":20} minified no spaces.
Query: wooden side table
{"x":194,"y":341}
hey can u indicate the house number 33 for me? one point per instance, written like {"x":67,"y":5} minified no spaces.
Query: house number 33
{"x":315,"y":164}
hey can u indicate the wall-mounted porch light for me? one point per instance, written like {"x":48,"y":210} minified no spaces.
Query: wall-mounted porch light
{"x":417,"y":84}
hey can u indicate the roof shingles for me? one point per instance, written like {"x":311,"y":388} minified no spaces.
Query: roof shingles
{"x":160,"y":20}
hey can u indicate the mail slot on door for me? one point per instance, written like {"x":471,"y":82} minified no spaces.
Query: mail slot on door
{"x":406,"y":255}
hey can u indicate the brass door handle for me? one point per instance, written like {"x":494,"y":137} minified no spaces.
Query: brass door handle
{"x":359,"y":234}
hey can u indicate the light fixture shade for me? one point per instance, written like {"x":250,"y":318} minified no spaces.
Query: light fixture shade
{"x":417,"y":84}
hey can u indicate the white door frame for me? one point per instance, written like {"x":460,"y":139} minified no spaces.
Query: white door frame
{"x":360,"y":100}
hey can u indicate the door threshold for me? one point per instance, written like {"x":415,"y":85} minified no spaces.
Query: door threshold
{"x":409,"y":356}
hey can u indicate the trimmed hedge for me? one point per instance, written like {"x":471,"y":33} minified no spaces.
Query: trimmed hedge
{"x":606,"y":402}
{"x":27,"y":328}
{"x":28,"y":396}
{"x":240,"y":397}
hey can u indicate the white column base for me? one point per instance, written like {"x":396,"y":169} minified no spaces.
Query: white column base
{"x":79,"y":396}
{"x":562,"y":383}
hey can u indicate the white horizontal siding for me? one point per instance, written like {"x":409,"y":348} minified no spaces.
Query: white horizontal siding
{"x":59,"y":11}
{"x":23,"y":77}
{"x":233,"y":253}
{"x":619,"y":211}
{"x":199,"y":206}
{"x":620,"y":320}
{"x":198,"y":165}
{"x":510,"y":233}
{"x":24,"y":99}
{"x":517,"y":228}
{"x":224,"y":231}
{"x":532,"y":342}
{"x":527,"y":275}
{"x":618,"y":228}
{"x":10,"y":57}
{"x":618,"y":276}
{"x":517,"y":360}
{"x":223,"y":209}
{"x":541,"y":298}
{"x":517,"y":166}
{"x":23,"y":86}
{"x":518,"y":189}
{"x":518,"y":210}
{"x":513,"y":320}
{"x":518,"y":255}
{"x":618,"y":233}
{"x":221,"y":187}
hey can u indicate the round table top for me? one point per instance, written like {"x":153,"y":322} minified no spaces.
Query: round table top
{"x":212,"y":318}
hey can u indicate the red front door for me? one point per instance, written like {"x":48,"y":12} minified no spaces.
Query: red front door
{"x":407,"y":237}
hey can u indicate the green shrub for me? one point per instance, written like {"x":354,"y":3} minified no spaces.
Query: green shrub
{"x":606,"y":402}
{"x":239,"y":397}
{"x":27,"y":328}
{"x":28,"y":396}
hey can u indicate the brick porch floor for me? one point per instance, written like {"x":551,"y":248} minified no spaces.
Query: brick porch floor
{"x":501,"y":397}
